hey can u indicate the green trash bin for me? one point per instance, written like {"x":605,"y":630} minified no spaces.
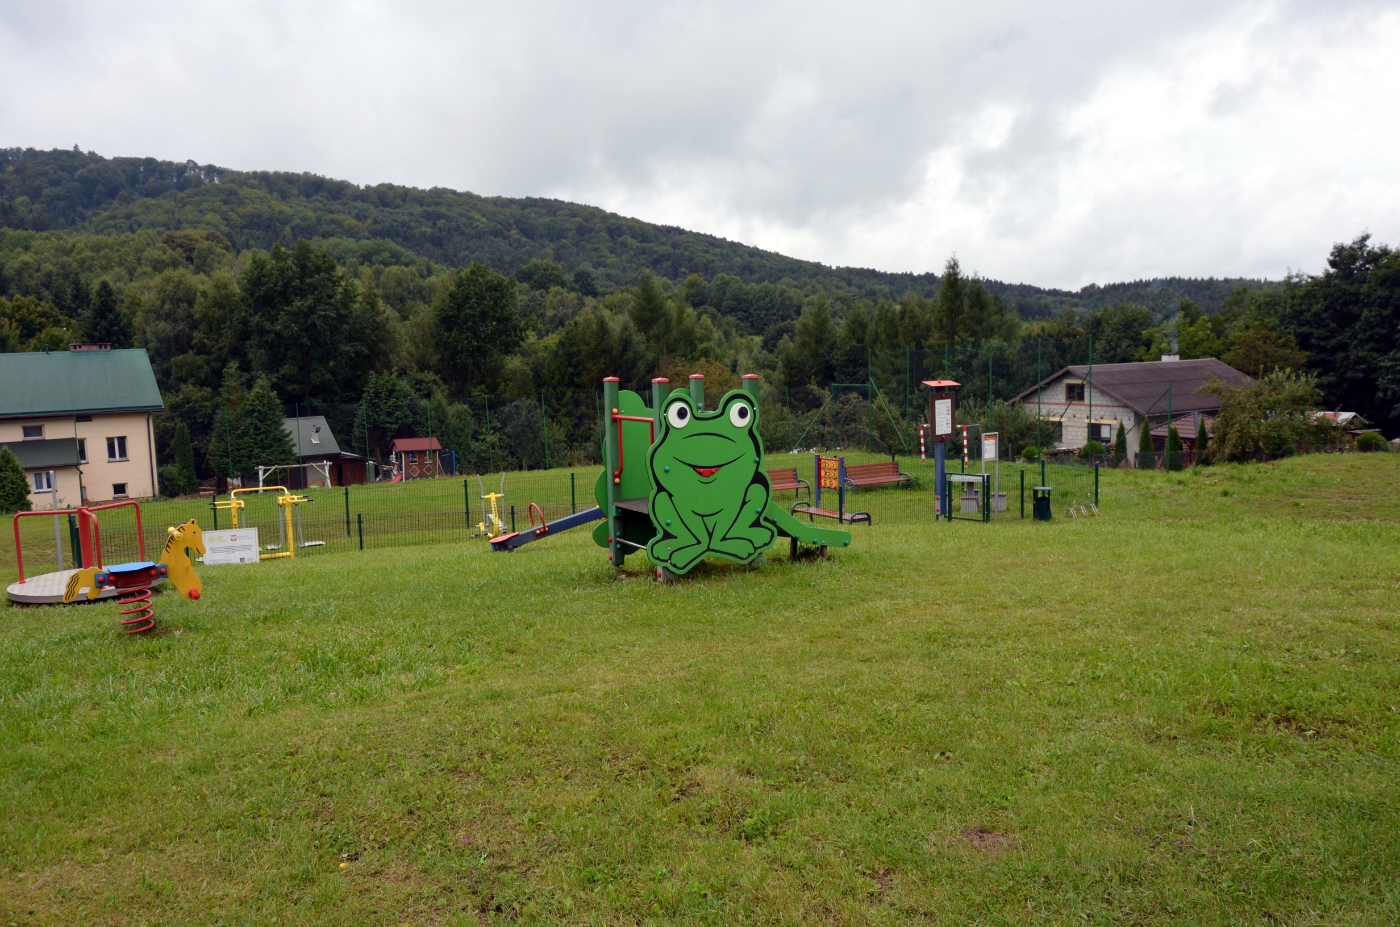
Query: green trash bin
{"x":1040,"y":502}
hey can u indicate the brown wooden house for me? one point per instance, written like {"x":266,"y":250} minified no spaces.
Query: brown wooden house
{"x":418,"y":458}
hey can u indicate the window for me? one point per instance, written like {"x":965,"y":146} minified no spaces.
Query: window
{"x":118,"y":490}
{"x":33,"y":432}
{"x":43,"y":481}
{"x":1074,"y":392}
{"x":1101,"y":431}
{"x":82,"y":450}
{"x":413,"y":457}
{"x":116,"y":448}
{"x":316,"y":434}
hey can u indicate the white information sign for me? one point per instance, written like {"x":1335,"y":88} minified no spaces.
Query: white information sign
{"x":989,"y":446}
{"x":236,"y":545}
{"x":942,"y":418}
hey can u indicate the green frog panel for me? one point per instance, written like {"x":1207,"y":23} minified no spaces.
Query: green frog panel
{"x":709,"y":490}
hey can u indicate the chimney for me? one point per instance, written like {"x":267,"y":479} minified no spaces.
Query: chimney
{"x":91,"y":346}
{"x":1171,"y":357}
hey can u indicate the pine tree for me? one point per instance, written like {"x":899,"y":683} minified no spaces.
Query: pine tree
{"x":184,"y":459}
{"x":14,"y":488}
{"x":1120,"y":445}
{"x":1202,"y":443}
{"x":1147,"y":454}
{"x":226,"y":454}
{"x":1173,"y":449}
{"x":104,"y":320}
{"x":265,"y":440}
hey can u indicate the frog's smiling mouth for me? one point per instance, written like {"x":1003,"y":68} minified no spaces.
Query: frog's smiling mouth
{"x":707,"y":472}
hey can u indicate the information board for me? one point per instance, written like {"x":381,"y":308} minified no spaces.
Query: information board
{"x":989,"y":446}
{"x":942,"y":418}
{"x":237,"y":545}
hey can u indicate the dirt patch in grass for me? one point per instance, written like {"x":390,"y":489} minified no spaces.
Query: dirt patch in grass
{"x":989,"y":841}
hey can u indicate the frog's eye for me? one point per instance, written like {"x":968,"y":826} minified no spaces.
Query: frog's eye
{"x":678,"y":415}
{"x":740,"y":414}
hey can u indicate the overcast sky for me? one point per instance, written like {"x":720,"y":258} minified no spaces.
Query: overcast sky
{"x":1055,"y":144}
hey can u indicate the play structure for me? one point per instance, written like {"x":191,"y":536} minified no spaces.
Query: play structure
{"x":683,"y":483}
{"x":832,"y":475}
{"x":130,"y":583}
{"x":289,"y":503}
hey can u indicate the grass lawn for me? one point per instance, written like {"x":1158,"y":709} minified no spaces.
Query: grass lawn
{"x":1185,"y":711}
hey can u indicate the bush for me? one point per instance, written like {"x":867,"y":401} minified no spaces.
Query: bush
{"x":1095,"y":449}
{"x":175,"y":481}
{"x":1120,"y":444}
{"x":1371,"y":441}
{"x":1030,"y":452}
{"x":14,"y":488}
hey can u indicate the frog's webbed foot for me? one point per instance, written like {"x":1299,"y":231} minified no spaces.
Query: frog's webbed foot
{"x":677,"y":546}
{"x":749,"y":533}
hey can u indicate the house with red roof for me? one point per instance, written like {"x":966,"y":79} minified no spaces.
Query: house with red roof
{"x":418,"y":458}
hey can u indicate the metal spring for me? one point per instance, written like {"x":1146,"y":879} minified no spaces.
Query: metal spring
{"x":143,"y":614}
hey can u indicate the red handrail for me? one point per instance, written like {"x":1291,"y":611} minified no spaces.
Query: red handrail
{"x":651,"y":422}
{"x":97,"y":532}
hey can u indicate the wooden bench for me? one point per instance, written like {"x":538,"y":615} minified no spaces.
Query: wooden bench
{"x":805,"y":508}
{"x":786,"y":478}
{"x":875,"y":474}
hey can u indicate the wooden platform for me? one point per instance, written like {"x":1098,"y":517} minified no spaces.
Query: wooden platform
{"x":47,"y":589}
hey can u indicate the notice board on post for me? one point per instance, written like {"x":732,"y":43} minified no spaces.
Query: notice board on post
{"x":236,"y":545}
{"x":941,"y":408}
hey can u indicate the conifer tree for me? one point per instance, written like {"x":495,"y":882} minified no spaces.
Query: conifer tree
{"x":104,"y":320}
{"x":1173,"y":449}
{"x":1120,"y":445}
{"x":1147,"y":454}
{"x":265,"y":440}
{"x":14,"y":488}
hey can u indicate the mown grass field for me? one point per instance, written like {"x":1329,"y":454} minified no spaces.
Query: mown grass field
{"x":1183,"y":712}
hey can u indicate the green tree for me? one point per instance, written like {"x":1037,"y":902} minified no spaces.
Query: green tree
{"x":950,"y":308}
{"x":1120,"y":445}
{"x":1173,"y":448}
{"x":543,"y":275}
{"x":300,"y":326}
{"x":14,"y":488}
{"x":104,"y":320}
{"x":1120,"y":332}
{"x":1260,"y":347}
{"x":387,"y":410}
{"x":1147,"y":453}
{"x":184,"y":455}
{"x":226,"y":448}
{"x":265,"y":441}
{"x":478,"y":324}
{"x":1269,"y":418}
{"x":585,"y":284}
{"x":651,"y":312}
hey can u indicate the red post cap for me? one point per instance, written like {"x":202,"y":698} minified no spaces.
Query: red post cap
{"x":697,"y":376}
{"x":611,"y":380}
{"x":750,"y":376}
{"x":660,"y":380}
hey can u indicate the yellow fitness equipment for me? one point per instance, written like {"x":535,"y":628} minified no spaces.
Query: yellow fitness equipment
{"x":288,"y":503}
{"x":491,"y":526}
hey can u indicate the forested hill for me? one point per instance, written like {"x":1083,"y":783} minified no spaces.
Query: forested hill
{"x":85,"y":192}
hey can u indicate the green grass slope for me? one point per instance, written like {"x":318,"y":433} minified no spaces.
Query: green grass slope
{"x":1183,"y":712}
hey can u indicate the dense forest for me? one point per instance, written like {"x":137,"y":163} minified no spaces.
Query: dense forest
{"x":406,"y":309}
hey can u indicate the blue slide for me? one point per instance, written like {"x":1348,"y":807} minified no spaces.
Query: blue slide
{"x":509,"y":542}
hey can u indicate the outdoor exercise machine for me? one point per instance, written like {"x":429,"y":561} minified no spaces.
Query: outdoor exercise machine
{"x":289,"y":505}
{"x":129,"y":582}
{"x":490,"y":525}
{"x":683,"y":483}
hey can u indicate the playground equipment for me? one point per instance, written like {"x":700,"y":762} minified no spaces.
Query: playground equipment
{"x":683,"y":483}
{"x":130,"y":582}
{"x":490,"y":525}
{"x":831,"y":475}
{"x":289,"y":504}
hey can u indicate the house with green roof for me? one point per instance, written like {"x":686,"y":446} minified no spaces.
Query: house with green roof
{"x":80,"y":423}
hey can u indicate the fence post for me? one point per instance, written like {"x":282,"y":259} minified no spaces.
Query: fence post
{"x":360,"y":520}
{"x":73,"y":540}
{"x":512,"y":518}
{"x":347,"y":511}
{"x":1042,"y":469}
{"x":1096,"y":484}
{"x":573,"y":499}
{"x":1023,"y":492}
{"x":467,"y":498}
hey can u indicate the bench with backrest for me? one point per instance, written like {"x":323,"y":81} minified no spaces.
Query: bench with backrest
{"x":786,"y":478}
{"x":875,"y":474}
{"x":805,"y":508}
